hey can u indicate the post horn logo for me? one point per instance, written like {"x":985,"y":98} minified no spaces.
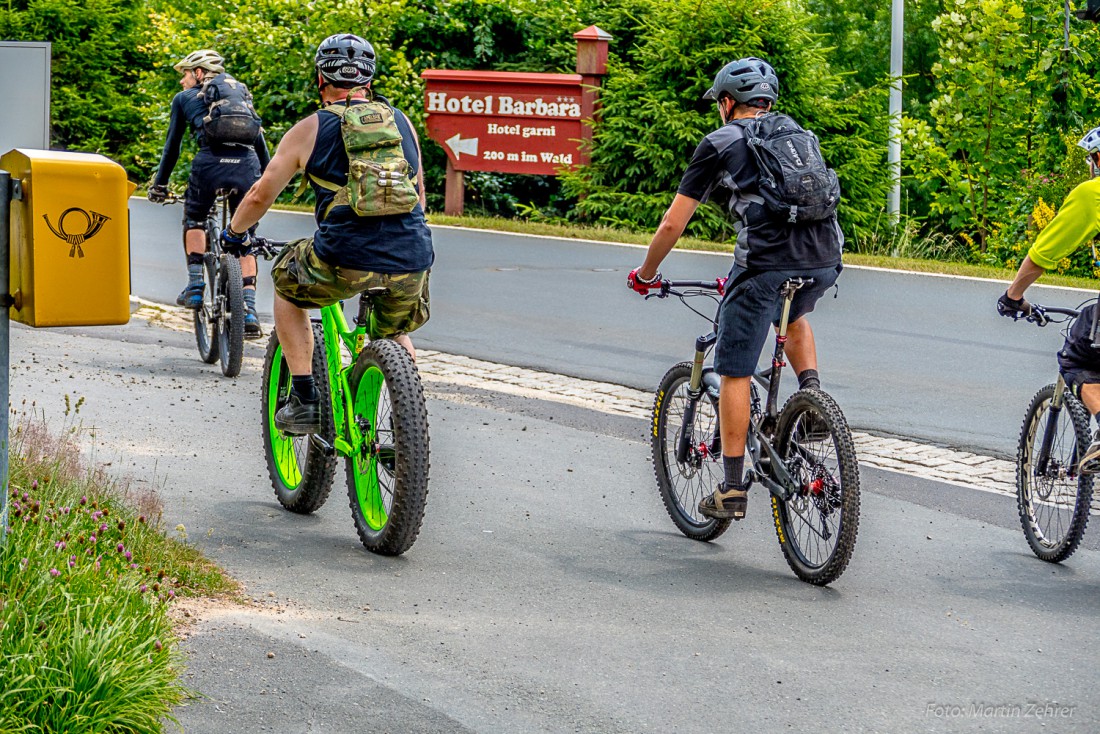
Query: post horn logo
{"x":93,"y":222}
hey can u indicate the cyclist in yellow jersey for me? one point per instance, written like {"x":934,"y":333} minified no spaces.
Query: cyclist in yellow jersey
{"x":1075,"y":224}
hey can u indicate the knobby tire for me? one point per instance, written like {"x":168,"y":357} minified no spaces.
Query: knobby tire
{"x":206,"y":320}
{"x":231,"y":329}
{"x":682,"y":485}
{"x":388,"y":478}
{"x":815,"y":442}
{"x":1054,"y":507}
{"x":301,"y":473}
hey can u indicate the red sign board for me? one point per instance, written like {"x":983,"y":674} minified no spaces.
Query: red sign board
{"x":506,"y":122}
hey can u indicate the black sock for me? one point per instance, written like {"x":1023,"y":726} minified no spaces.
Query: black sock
{"x":809,"y":378}
{"x":305,"y":387}
{"x":734,"y":466}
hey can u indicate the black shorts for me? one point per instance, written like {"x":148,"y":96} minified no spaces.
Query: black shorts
{"x":749,"y":310}
{"x":1078,"y":361}
{"x":212,"y":171}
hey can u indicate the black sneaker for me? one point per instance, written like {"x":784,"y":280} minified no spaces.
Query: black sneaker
{"x":725,"y":504}
{"x":191,"y":296}
{"x":1090,"y":460}
{"x":297,"y":418}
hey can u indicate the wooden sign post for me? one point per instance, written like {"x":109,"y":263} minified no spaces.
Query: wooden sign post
{"x":509,"y":122}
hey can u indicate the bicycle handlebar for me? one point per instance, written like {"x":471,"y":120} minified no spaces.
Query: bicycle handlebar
{"x":1040,"y":315}
{"x":667,"y":287}
{"x":265,"y":247}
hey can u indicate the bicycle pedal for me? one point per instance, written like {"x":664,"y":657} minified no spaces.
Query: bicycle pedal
{"x":324,"y":446}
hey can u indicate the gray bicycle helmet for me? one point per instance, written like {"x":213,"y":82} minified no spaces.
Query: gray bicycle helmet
{"x":345,"y":60}
{"x":745,"y":80}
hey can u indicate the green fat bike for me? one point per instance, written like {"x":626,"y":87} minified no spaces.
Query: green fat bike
{"x":372,"y":414}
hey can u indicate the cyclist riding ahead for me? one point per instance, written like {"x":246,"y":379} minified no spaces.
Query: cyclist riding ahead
{"x":769,"y":250}
{"x":231,"y":156}
{"x":362,"y":158}
{"x":1075,"y":224}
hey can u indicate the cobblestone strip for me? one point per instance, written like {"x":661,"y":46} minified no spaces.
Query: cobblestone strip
{"x":893,"y":454}
{"x":959,"y":468}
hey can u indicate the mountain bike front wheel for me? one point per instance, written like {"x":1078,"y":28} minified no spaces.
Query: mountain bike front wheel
{"x":1052,"y":497}
{"x":301,"y":472}
{"x":684,"y":482}
{"x":206,"y":317}
{"x":388,"y":469}
{"x":817,"y":525}
{"x":231,"y":328}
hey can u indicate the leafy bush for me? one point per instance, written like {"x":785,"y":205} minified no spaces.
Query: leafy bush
{"x":653,"y":115}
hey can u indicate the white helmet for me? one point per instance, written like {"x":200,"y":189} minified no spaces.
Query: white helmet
{"x":1091,"y":141}
{"x":202,"y":59}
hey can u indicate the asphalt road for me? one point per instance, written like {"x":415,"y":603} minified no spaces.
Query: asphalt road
{"x":910,"y":355}
{"x":549,"y":592}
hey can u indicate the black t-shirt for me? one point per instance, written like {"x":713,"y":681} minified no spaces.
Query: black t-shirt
{"x":395,"y":243}
{"x":724,"y":164}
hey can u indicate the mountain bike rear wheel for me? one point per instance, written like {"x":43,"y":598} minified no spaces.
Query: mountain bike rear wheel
{"x":206,"y":319}
{"x":301,"y":473}
{"x":817,"y":525}
{"x":231,"y":328}
{"x":683,"y":484}
{"x":388,"y":469}
{"x":1053,"y":499}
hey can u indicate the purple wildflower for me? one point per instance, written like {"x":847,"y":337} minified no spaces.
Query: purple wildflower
{"x":54,"y":572}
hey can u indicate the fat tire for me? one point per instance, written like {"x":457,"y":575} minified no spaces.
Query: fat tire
{"x":411,"y":451}
{"x":231,"y":342}
{"x":820,"y":403}
{"x":315,"y":470}
{"x":206,"y":322}
{"x":663,"y":447}
{"x":1030,"y":434}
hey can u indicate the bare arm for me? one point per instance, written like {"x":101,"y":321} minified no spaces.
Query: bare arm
{"x":664,"y":239}
{"x":290,"y":158}
{"x":1028,"y":273}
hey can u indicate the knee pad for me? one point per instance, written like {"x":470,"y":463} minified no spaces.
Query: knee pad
{"x":189,"y":223}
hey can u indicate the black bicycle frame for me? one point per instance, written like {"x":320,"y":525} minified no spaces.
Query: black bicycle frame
{"x":768,"y":467}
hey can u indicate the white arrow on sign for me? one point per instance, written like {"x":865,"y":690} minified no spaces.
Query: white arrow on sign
{"x":462,"y":145}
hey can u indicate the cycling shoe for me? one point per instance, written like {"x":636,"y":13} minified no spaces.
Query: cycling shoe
{"x":191,"y":296}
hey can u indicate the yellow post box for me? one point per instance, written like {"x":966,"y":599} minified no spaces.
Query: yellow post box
{"x":70,"y":238}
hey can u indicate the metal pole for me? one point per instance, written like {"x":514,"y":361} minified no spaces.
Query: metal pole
{"x":1066,"y":46}
{"x":897,"y":32}
{"x":5,"y":354}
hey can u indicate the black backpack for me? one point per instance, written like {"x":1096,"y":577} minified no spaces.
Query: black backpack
{"x":230,"y":116}
{"x":795,"y":183}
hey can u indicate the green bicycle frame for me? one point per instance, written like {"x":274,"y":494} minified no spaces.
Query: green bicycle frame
{"x":349,"y":435}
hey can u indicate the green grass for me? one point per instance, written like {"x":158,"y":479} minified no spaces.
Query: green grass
{"x":87,"y":577}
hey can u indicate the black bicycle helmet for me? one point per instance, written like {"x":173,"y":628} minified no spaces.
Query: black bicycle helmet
{"x":345,"y":60}
{"x":745,"y":80}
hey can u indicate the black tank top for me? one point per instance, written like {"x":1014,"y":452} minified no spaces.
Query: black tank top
{"x":396,"y":243}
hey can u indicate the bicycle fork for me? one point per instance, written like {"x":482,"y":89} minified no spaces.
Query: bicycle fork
{"x":695,"y":392}
{"x":1056,"y":404}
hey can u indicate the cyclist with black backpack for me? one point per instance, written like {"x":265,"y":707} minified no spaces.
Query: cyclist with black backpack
{"x":783,"y":198}
{"x":232,"y":155}
{"x":362,"y":159}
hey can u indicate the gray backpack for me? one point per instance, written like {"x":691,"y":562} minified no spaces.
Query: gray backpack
{"x":795,"y":183}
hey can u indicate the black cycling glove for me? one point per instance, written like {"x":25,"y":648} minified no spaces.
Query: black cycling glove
{"x":1013,"y":308}
{"x":157,"y":194}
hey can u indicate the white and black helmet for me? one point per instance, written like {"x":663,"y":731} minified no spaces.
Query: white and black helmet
{"x":345,"y":60}
{"x":204,"y":58}
{"x":745,"y":80}
{"x":1091,"y":141}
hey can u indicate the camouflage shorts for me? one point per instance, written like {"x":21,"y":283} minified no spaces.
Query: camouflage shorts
{"x":305,"y":280}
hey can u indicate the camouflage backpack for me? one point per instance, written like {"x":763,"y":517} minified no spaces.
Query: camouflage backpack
{"x":379,"y":180}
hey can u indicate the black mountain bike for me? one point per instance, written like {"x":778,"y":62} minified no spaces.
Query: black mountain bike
{"x":803,"y":454}
{"x":219,"y":323}
{"x":1053,"y":496}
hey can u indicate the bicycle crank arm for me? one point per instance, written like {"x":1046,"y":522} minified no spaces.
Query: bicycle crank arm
{"x":783,"y":484}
